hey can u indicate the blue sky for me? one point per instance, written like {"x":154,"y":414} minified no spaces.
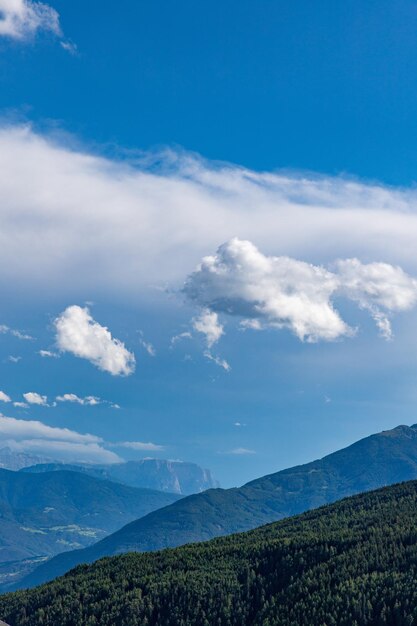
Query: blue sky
{"x":136,"y":141}
{"x":327,"y":86}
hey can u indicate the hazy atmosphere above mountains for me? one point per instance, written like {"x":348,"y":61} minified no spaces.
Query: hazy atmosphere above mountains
{"x":198,"y":261}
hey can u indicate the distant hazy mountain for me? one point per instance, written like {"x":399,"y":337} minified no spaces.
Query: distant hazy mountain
{"x":350,"y":563}
{"x":44,"y":514}
{"x":170,"y":476}
{"x":383,"y":459}
{"x":11,"y":460}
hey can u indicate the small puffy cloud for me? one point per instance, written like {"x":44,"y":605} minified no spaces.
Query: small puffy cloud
{"x":139,"y":445}
{"x":32,"y":397}
{"x":14,"y":359}
{"x":22,"y":19}
{"x":21,"y":405}
{"x":4,"y":397}
{"x":59,"y":443}
{"x":281,"y":292}
{"x":6,"y":330}
{"x":78,"y":333}
{"x":48,"y":354}
{"x":242,"y":451}
{"x":208,"y":324}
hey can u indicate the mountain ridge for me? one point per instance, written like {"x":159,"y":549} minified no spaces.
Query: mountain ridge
{"x":380,"y":459}
{"x":180,"y":477}
{"x":351,"y":562}
{"x":43,"y":514}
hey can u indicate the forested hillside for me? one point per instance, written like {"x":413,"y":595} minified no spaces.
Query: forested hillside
{"x":352,"y":563}
{"x":382,"y":459}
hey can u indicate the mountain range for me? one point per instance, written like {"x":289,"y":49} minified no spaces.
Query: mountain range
{"x":13,"y":460}
{"x":350,"y":563}
{"x":44,"y":514}
{"x":382,"y":459}
{"x":163,"y":475}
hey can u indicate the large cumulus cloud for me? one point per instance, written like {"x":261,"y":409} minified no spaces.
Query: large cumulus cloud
{"x":282,"y":292}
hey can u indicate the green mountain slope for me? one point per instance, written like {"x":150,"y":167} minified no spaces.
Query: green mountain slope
{"x":353,"y":563}
{"x":44,"y":514}
{"x":382,"y":459}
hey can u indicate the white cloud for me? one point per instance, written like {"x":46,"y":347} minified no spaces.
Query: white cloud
{"x":72,"y":397}
{"x":250,"y":325}
{"x":70,"y":47}
{"x":66,"y":450}
{"x":33,"y":429}
{"x":32,"y":397}
{"x":277,"y":291}
{"x":4,"y":397}
{"x":177,"y":338}
{"x":48,"y":354}
{"x":242,"y":451}
{"x":122,"y":227}
{"x":147,"y":345}
{"x":217,"y":360}
{"x":139,"y":445}
{"x":59,"y":443}
{"x":281,"y":292}
{"x":86,"y":401}
{"x":21,"y":405}
{"x":208,"y":324}
{"x":6,"y":330}
{"x":14,"y":359}
{"x":21,"y":19}
{"x":379,"y":288}
{"x":77,"y":332}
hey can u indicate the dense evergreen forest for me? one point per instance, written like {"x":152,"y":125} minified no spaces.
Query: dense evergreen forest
{"x":379,"y":460}
{"x":347,"y":564}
